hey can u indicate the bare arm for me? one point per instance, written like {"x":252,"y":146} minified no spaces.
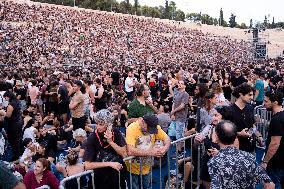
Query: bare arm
{"x":9,"y":111}
{"x":96,"y":165}
{"x":100,"y":93}
{"x":20,"y":186}
{"x":120,"y":150}
{"x":270,"y":185}
{"x":179,"y":108}
{"x":272,"y":148}
{"x":256,"y":94}
{"x":92,"y":96}
{"x":74,"y":103}
{"x":44,"y":121}
{"x":132,"y":151}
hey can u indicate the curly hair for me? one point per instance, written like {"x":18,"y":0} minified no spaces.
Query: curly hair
{"x":104,"y":116}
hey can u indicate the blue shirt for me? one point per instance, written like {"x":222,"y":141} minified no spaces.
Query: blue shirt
{"x":259,"y":85}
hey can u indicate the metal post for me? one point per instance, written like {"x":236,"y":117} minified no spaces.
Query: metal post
{"x":141,"y":176}
{"x":169,"y":167}
{"x":130,"y":174}
{"x":176,"y":166}
{"x":160,"y":172}
{"x":191,"y":171}
{"x":198,"y":165}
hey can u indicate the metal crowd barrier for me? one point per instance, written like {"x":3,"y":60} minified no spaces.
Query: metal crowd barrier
{"x":173,"y":181}
{"x":77,"y":177}
{"x":179,"y":182}
{"x":43,"y":187}
{"x":262,"y":118}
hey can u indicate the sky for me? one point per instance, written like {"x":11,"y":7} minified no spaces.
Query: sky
{"x":243,"y":9}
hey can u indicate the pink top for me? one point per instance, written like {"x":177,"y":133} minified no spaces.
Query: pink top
{"x":33,"y":93}
{"x":48,"y":179}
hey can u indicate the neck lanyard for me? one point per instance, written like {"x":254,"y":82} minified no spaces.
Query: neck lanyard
{"x":101,"y":141}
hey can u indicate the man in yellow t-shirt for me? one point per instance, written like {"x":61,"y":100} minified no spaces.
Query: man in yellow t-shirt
{"x":140,"y":138}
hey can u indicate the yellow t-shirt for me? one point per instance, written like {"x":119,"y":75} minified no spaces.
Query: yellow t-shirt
{"x":136,"y":138}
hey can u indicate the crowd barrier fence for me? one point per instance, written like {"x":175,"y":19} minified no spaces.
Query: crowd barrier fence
{"x":172,"y":158}
{"x":262,"y":118}
{"x":77,"y":177}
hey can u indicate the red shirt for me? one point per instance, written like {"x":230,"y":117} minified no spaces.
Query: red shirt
{"x":48,"y":179}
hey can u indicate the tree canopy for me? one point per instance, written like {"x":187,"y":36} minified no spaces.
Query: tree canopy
{"x":168,"y":11}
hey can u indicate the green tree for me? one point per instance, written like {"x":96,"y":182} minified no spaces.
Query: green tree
{"x":136,"y":4}
{"x":193,"y":16}
{"x":273,"y":23}
{"x":242,"y":26}
{"x":232,"y":21}
{"x":180,"y":15}
{"x":215,"y":21}
{"x":280,"y":25}
{"x":127,"y":6}
{"x":124,"y":8}
{"x":172,"y":10}
{"x":265,"y":22}
{"x":206,"y":19}
{"x":221,"y":18}
{"x":167,"y":10}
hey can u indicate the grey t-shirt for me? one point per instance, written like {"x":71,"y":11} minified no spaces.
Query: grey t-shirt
{"x":164,"y":121}
{"x":181,"y":97}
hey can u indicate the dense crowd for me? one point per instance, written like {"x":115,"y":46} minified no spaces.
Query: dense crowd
{"x":82,"y":90}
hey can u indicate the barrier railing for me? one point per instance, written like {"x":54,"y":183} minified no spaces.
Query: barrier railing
{"x":262,"y":117}
{"x":43,"y":187}
{"x":172,"y":173}
{"x":174,"y":180}
{"x":77,"y":177}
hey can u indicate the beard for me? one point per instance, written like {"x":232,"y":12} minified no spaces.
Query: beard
{"x":269,"y":109}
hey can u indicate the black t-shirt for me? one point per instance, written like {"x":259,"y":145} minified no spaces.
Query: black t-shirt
{"x":53,"y":96}
{"x":190,"y":88}
{"x":98,"y":150}
{"x":45,"y":155}
{"x":22,"y":92}
{"x":242,"y":119}
{"x":50,"y":142}
{"x":16,"y":117}
{"x":277,"y":79}
{"x":276,"y":128}
{"x":95,"y":144}
{"x":236,"y":81}
{"x":63,"y":92}
{"x":115,"y":78}
{"x":164,"y":93}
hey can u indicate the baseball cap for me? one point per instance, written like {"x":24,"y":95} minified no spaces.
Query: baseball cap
{"x":152,"y":122}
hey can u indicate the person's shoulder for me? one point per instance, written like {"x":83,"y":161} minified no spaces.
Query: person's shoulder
{"x":281,"y":114}
{"x":29,"y":174}
{"x":134,"y":103}
{"x":49,"y":174}
{"x":243,"y":155}
{"x":133,"y":126}
{"x":185,"y":94}
{"x":278,"y":117}
{"x":91,"y":138}
{"x":116,"y":131}
{"x":249,"y":107}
